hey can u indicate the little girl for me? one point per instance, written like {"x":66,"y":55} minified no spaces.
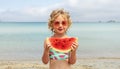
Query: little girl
{"x":59,"y":23}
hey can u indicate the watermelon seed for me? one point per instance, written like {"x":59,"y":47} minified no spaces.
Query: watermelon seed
{"x":63,"y":46}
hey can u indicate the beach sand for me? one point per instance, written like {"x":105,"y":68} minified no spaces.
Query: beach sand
{"x":82,"y":63}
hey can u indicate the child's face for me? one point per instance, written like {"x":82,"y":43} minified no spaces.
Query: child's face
{"x":60,"y":25}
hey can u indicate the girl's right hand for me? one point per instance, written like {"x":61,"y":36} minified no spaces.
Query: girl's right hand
{"x":47,"y":47}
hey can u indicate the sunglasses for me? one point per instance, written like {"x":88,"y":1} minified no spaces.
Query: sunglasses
{"x":57,"y":23}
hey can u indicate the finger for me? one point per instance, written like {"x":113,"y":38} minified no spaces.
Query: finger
{"x":48,"y":46}
{"x":72,"y":48}
{"x":76,"y":44}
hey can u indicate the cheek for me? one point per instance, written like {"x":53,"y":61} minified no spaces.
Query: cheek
{"x":66,"y":27}
{"x":54,"y":27}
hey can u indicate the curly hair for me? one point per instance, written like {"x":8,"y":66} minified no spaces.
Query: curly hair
{"x":55,"y":14}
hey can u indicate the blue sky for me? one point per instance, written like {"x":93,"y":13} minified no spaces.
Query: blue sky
{"x":39,"y":10}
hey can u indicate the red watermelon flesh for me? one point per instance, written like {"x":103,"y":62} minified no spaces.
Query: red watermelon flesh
{"x":62,"y":44}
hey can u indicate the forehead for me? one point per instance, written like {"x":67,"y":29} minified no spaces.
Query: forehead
{"x":61,"y":17}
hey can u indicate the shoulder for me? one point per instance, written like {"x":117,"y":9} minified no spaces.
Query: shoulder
{"x":72,"y":37}
{"x":46,"y":40}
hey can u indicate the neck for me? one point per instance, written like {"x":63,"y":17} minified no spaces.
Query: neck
{"x":60,"y":35}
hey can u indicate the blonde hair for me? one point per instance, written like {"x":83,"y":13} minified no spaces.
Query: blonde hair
{"x":55,"y":14}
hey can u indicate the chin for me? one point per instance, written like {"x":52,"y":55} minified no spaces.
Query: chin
{"x":61,"y":32}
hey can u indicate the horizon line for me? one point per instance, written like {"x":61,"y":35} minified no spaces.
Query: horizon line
{"x":73,"y":21}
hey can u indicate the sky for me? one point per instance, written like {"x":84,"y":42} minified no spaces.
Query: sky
{"x":39,"y":10}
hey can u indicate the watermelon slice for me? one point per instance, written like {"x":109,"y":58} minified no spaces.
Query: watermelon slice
{"x":61,"y":44}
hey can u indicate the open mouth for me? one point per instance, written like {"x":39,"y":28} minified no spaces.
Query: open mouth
{"x":60,"y":29}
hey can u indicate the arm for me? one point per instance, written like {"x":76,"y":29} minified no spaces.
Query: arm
{"x":45,"y":57}
{"x":72,"y":58}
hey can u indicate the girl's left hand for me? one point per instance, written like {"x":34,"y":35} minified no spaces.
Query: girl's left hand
{"x":74,"y":46}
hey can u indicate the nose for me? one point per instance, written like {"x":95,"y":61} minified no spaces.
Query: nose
{"x":60,"y":24}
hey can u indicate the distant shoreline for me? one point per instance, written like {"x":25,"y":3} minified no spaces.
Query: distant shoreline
{"x":47,"y":22}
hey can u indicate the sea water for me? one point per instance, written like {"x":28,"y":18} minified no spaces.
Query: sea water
{"x":24,"y":40}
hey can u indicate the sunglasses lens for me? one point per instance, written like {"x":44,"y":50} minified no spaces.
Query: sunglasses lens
{"x":64,"y":23}
{"x":57,"y":23}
